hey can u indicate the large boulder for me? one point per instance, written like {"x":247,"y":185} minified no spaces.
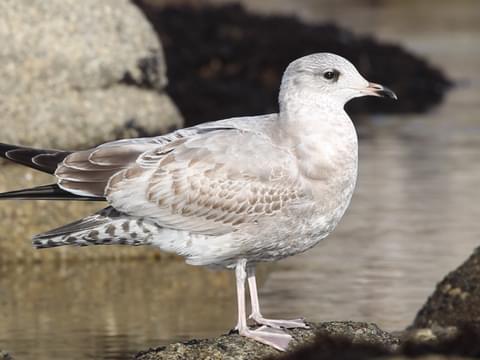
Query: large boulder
{"x":73,"y":74}
{"x":77,"y":73}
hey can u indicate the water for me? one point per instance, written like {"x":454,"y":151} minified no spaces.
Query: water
{"x":413,"y":218}
{"x":414,"y":215}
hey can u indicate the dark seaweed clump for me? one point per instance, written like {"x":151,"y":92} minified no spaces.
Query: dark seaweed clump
{"x":223,"y":61}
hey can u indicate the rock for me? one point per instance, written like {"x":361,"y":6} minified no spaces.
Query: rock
{"x":333,"y":340}
{"x":75,"y":74}
{"x":456,"y":299}
{"x":441,"y":343}
{"x":234,"y":346}
{"x":430,"y":335}
{"x":70,"y":119}
{"x":233,"y":70}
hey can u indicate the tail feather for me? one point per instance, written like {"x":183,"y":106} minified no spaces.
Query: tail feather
{"x":106,"y":227}
{"x":46,"y":192}
{"x":45,"y":160}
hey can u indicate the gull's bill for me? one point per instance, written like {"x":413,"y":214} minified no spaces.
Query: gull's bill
{"x":380,"y":91}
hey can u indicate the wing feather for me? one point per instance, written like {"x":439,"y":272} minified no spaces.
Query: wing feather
{"x":208,"y":179}
{"x":210,"y":184}
{"x":88,"y":172}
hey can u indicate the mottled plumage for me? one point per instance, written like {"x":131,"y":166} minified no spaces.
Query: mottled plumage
{"x":228,"y":193}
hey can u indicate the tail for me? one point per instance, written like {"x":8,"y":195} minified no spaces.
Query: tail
{"x":45,"y":160}
{"x":106,"y":227}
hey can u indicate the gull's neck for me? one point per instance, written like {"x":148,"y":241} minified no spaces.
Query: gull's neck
{"x":322,"y":137}
{"x":306,"y":113}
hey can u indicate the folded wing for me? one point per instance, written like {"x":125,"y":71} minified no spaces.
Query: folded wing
{"x":211,"y":179}
{"x":211,"y":183}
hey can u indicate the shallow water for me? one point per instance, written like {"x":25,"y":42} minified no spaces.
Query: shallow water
{"x":413,"y":218}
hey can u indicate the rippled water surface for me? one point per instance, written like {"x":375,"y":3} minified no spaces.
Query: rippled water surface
{"x":413,"y":218}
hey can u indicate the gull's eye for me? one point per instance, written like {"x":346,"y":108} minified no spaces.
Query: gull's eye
{"x":331,"y":75}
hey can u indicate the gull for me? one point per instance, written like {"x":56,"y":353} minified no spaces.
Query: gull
{"x":229,"y":193}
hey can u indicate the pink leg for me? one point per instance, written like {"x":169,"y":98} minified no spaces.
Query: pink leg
{"x":257,"y":316}
{"x":273,"y":337}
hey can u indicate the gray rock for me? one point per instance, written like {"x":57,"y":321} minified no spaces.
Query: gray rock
{"x":233,"y":346}
{"x":77,"y":120}
{"x":456,"y":299}
{"x":77,"y":73}
{"x":83,"y":45}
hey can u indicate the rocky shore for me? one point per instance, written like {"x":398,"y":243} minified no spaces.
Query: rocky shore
{"x":236,"y":347}
{"x":333,"y":340}
{"x":447,"y":327}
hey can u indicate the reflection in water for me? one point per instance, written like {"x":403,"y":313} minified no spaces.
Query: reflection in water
{"x":105,"y":310}
{"x":413,"y":218}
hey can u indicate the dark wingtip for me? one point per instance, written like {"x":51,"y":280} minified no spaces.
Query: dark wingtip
{"x":4,"y":148}
{"x":46,"y":192}
{"x":45,"y":160}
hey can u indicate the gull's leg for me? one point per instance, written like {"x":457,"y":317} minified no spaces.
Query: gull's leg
{"x":257,"y":316}
{"x":273,"y":337}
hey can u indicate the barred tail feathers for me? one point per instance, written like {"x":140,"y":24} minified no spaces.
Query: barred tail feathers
{"x":106,"y":227}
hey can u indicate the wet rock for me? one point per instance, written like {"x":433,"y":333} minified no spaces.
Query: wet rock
{"x":456,"y":299}
{"x":232,"y":61}
{"x":236,"y":347}
{"x":78,"y":73}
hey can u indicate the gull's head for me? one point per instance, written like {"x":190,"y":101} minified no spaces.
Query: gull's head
{"x":329,"y":78}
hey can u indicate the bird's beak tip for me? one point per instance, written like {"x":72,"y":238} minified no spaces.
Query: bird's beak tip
{"x":381,"y":91}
